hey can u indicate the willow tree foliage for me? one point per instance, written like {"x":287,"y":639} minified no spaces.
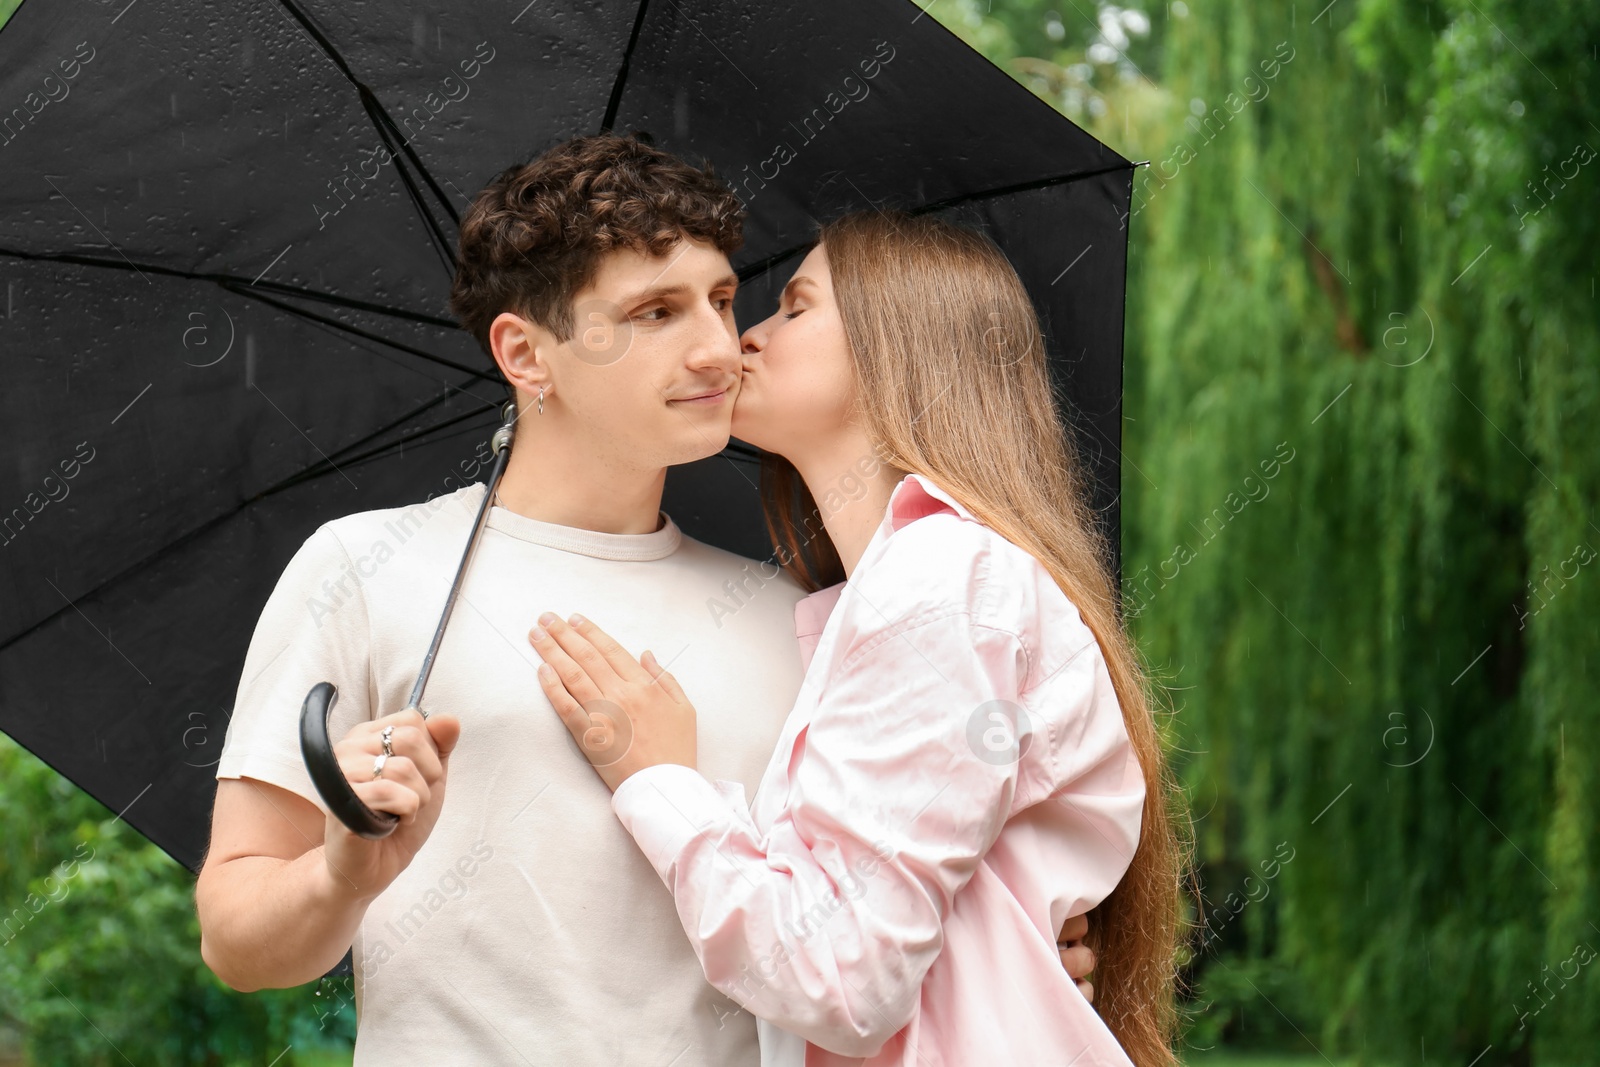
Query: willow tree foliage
{"x":1361,"y":525}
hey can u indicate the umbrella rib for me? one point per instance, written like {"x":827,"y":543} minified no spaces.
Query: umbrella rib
{"x":622,"y":72}
{"x":761,"y":266}
{"x":338,"y":329}
{"x":239,"y":287}
{"x":422,"y":436}
{"x":321,"y":467}
{"x":1020,"y":187}
{"x":226,"y":279}
{"x":287,"y":482}
{"x":365,"y":334}
{"x":387,"y":130}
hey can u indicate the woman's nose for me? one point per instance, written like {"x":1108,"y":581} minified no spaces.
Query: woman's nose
{"x":752,"y":342}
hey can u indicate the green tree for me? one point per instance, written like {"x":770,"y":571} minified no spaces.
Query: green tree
{"x":100,"y":947}
{"x":1362,"y":466}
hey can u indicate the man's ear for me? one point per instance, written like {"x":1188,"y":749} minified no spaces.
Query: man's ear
{"x":521,"y":349}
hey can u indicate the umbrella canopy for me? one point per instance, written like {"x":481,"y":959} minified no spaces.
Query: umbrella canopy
{"x":226,"y":245}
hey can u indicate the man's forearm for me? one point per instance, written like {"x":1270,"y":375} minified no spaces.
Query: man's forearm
{"x":268,"y":923}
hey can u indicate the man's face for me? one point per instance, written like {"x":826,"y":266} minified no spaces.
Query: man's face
{"x":649,"y":376}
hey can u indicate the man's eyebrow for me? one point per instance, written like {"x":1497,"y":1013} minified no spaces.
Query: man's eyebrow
{"x":656,"y":292}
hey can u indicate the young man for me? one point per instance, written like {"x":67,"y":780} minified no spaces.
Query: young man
{"x":518,"y":923}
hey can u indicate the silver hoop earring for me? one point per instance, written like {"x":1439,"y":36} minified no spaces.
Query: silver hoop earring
{"x":541,"y":400}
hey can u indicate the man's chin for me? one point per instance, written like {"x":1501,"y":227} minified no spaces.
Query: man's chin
{"x":703,"y":445}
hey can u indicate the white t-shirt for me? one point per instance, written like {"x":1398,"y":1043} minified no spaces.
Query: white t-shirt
{"x":529,"y":928}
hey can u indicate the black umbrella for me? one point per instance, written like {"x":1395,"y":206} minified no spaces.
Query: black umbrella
{"x":226,"y":248}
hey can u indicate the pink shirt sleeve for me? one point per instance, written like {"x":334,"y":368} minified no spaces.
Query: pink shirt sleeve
{"x":827,"y":924}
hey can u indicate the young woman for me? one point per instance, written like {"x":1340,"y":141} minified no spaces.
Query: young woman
{"x":972,"y":757}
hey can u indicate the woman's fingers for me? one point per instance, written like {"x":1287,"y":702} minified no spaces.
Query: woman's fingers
{"x":569,"y":710}
{"x":582,"y":652}
{"x":580,"y":683}
{"x":1077,"y":957}
{"x":662,"y":677}
{"x":603,"y":730}
{"x":616,"y":657}
{"x":1077,"y":960}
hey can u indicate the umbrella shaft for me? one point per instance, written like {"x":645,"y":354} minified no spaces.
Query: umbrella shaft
{"x":502,"y":449}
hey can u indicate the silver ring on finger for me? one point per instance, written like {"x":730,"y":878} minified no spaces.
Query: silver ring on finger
{"x":388,"y":732}
{"x":377,"y":765}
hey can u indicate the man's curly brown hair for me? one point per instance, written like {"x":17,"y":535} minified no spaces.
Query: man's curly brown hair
{"x":536,"y":234}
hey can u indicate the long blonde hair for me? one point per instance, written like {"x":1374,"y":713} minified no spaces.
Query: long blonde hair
{"x":951,"y":383}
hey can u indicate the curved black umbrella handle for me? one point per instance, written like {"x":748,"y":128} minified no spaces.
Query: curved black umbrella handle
{"x":317,"y":750}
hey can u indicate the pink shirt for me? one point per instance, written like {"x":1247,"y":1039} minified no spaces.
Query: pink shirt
{"x":954,"y":781}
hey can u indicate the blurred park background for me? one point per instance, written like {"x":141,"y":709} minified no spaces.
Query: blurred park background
{"x":1362,"y":462}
